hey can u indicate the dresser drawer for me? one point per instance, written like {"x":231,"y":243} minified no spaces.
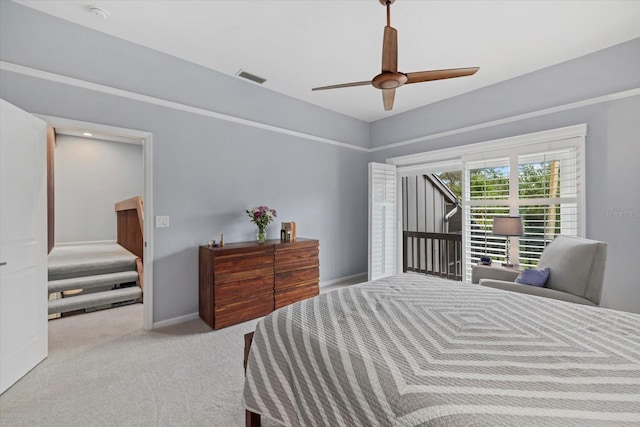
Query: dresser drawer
{"x":242,"y":290}
{"x":229,"y":264}
{"x":296,"y":278}
{"x":238,"y":312}
{"x":242,"y":275}
{"x":232,"y":268}
{"x":289,"y":260}
{"x":230,"y":252}
{"x":295,"y":294}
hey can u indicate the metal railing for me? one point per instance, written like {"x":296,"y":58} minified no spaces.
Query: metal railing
{"x":437,"y":254}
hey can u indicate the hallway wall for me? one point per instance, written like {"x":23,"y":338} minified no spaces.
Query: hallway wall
{"x":91,"y":175}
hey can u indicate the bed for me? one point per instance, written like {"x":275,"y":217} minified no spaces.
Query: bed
{"x":414,"y":350}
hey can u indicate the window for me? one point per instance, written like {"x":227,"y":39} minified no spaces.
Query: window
{"x":548,"y":204}
{"x":539,"y":176}
{"x":542,"y":187}
{"x":486,"y":196}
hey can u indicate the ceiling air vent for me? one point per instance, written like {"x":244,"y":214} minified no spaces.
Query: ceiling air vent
{"x":251,"y":77}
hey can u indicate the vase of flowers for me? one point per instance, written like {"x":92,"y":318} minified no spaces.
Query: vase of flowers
{"x":261,"y":216}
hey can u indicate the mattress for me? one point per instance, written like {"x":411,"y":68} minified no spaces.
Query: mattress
{"x":414,"y":350}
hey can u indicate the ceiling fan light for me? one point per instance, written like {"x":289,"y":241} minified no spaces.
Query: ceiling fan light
{"x":389,"y":84}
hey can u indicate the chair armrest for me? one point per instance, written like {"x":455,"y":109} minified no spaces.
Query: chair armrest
{"x":534,"y":290}
{"x":490,"y":272}
{"x":505,"y":285}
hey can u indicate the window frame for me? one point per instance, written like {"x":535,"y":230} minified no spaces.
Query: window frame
{"x":550,"y":140}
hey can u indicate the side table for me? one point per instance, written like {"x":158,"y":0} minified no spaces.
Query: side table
{"x":495,"y":272}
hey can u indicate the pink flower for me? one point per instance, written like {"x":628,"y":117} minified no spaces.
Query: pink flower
{"x":261,"y":215}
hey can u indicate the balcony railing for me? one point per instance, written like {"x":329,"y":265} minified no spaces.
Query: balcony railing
{"x":437,"y":254}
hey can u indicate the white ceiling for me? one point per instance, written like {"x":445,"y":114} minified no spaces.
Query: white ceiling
{"x":297,"y":45}
{"x":82,"y":133}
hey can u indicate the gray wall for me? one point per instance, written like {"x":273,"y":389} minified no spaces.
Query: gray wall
{"x":612,"y":144}
{"x":91,"y":175}
{"x":206,"y":171}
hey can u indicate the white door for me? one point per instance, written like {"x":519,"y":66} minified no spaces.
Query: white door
{"x":382,"y":224}
{"x":23,"y":243}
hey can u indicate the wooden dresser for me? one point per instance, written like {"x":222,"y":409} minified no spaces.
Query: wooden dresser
{"x":243,"y":281}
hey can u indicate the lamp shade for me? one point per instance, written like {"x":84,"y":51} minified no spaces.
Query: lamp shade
{"x":507,"y":226}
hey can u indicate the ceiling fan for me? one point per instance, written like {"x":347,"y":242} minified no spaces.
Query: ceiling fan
{"x":390,"y":79}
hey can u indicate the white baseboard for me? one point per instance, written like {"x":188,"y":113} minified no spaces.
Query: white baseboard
{"x":176,"y":320}
{"x":355,"y":278}
{"x":93,"y":242}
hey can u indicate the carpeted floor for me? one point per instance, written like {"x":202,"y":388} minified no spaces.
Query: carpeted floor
{"x":103,"y":369}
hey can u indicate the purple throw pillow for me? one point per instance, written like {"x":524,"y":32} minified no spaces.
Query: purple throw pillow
{"x":533,"y":277}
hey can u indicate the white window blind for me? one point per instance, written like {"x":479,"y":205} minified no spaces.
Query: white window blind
{"x":548,"y":200}
{"x":486,"y":195}
{"x":543,"y":187}
{"x":382,"y":213}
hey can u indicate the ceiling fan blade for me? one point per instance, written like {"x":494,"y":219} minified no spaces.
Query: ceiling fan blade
{"x":368,"y":82}
{"x":426,"y":76}
{"x":387,"y":98}
{"x":390,"y":50}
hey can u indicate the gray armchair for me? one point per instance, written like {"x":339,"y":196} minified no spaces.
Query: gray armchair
{"x":576,"y":272}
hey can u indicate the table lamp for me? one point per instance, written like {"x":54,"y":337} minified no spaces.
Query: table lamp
{"x":507,"y":226}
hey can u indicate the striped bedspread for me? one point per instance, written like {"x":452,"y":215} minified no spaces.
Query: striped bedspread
{"x":413,"y":350}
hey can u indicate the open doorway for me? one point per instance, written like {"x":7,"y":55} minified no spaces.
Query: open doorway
{"x":101,"y":256}
{"x":432,"y":223}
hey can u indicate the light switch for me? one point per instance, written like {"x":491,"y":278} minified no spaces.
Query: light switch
{"x":162,"y":221}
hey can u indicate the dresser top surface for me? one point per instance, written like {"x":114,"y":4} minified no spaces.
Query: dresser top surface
{"x":267,"y":244}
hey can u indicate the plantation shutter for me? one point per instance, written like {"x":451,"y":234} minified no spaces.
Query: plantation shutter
{"x":382,"y":224}
{"x":543,"y":184}
{"x":486,"y":195}
{"x":549,"y":185}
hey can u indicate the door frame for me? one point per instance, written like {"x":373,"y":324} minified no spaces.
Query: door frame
{"x":423,"y":168}
{"x":146,"y":138}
